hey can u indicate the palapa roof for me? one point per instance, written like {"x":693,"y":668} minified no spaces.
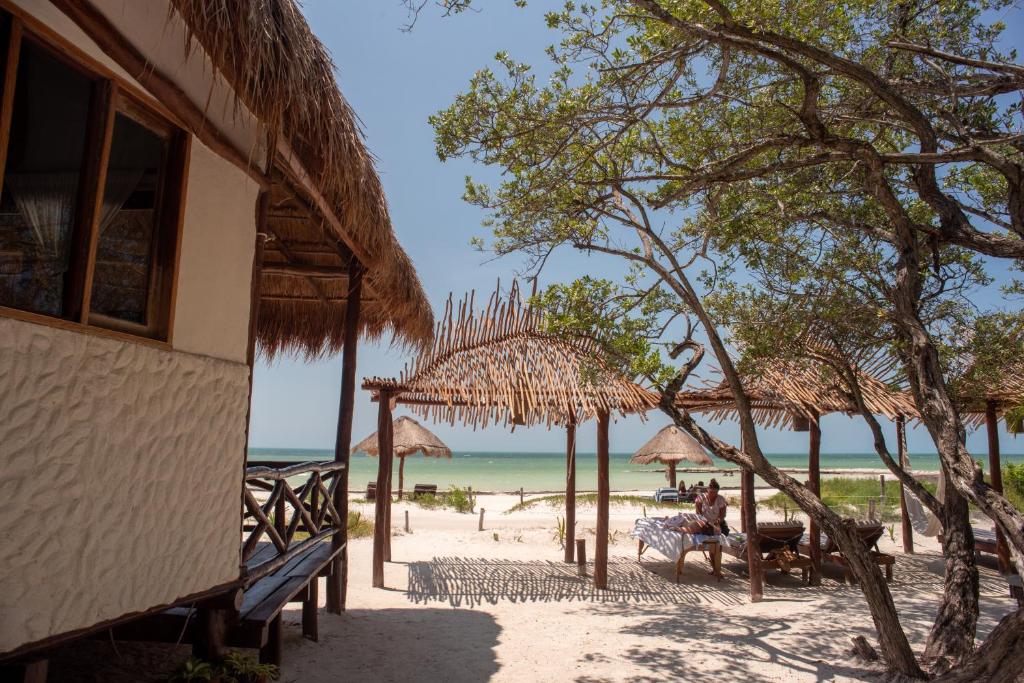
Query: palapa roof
{"x":781,"y":390}
{"x":975,"y":389}
{"x":410,"y":437}
{"x":500,"y":365}
{"x":283,"y":75}
{"x":669,"y":445}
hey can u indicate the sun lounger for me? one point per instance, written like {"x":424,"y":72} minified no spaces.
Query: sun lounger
{"x":653,"y":532}
{"x":1016,"y":588}
{"x":371,"y":491}
{"x":778,"y":543}
{"x":424,"y":490}
{"x":667,"y":494}
{"x":870,"y":533}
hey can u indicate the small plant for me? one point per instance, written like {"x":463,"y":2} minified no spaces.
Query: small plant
{"x":494,"y":535}
{"x":194,"y":669}
{"x":359,"y":526}
{"x":559,"y":533}
{"x":892,"y":532}
{"x":247,"y":669}
{"x":459,"y":499}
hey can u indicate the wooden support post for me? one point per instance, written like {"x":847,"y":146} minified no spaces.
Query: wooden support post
{"x":996,"y":479}
{"x":814,"y":476}
{"x":271,"y":652}
{"x":601,"y":546}
{"x":211,"y":644}
{"x":570,"y":487}
{"x":406,"y":521}
{"x":337,"y":579}
{"x":672,"y":474}
{"x":905,"y":523}
{"x":520,"y":495}
{"x":480,"y":524}
{"x":871,"y":509}
{"x":387,"y":514}
{"x":743,"y":506}
{"x":581,"y":556}
{"x":384,"y":448}
{"x":310,"y":623}
{"x":753,"y":544}
{"x":33,"y":671}
{"x":401,"y":477}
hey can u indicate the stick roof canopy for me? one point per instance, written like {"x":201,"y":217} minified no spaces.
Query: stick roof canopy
{"x":500,"y":365}
{"x":327,"y":205}
{"x":786,"y":393}
{"x":669,"y":445}
{"x":976,"y":389}
{"x":410,"y":437}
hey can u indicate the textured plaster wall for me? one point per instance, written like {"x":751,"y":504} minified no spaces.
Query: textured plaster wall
{"x":217,"y":244}
{"x":120,"y":478}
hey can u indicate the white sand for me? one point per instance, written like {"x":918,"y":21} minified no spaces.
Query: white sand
{"x":464,"y":605}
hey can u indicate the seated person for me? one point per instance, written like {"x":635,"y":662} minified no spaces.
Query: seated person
{"x":710,"y":513}
{"x":682,"y":490}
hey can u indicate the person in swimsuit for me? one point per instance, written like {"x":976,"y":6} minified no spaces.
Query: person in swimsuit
{"x":710,"y":513}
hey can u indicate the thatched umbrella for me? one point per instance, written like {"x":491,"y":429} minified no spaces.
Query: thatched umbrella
{"x":670,"y":446}
{"x":410,"y":437}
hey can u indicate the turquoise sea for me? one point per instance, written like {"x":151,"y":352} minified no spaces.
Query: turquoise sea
{"x":508,"y":471}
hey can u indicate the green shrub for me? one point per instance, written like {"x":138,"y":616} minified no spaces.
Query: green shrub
{"x":850,"y":497}
{"x":458,"y":499}
{"x":359,"y":526}
{"x":1013,"y":484}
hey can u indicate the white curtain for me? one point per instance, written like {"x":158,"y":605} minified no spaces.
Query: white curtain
{"x":120,"y":186}
{"x":47,"y":203}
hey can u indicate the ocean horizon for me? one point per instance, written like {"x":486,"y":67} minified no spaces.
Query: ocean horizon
{"x":504,"y":471}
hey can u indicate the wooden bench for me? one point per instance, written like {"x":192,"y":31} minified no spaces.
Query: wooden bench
{"x":371,"y":491}
{"x":870,"y":533}
{"x":778,"y":543}
{"x":424,"y":490}
{"x":1016,"y":588}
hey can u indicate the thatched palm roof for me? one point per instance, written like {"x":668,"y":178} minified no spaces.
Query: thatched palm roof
{"x":783,"y":390}
{"x":501,"y":366}
{"x":285,"y":77}
{"x":410,"y":437}
{"x":670,"y":445}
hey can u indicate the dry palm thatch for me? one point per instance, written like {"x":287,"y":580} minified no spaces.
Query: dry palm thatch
{"x":671,"y":445}
{"x":410,"y":437}
{"x":784,"y":392}
{"x":501,"y":366}
{"x":284,"y":76}
{"x":975,"y":389}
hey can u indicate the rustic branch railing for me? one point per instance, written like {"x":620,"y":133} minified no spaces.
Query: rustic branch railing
{"x":285,"y":512}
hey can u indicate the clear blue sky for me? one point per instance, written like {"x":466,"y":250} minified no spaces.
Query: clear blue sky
{"x":395,"y":80}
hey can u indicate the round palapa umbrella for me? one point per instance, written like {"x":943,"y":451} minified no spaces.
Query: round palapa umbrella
{"x":410,"y":437}
{"x":670,"y":446}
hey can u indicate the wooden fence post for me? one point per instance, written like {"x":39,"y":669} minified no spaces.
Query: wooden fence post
{"x":480,"y":526}
{"x":406,"y":521}
{"x":581,"y":556}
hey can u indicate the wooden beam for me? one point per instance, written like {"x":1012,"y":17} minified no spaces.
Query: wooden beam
{"x":814,"y":476}
{"x":305,"y":270}
{"x":385,"y":445}
{"x":601,"y":542}
{"x":283,"y":248}
{"x":337,"y":584}
{"x":570,"y":489}
{"x":302,"y":299}
{"x":387,"y":510}
{"x":906,"y":527}
{"x":996,"y":479}
{"x":116,"y":46}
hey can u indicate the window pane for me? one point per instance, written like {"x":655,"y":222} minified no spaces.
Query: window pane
{"x":44,"y":164}
{"x":122,"y":280}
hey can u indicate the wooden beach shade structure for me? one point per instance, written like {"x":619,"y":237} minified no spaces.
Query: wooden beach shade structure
{"x":984,"y":399}
{"x":796,"y":394}
{"x":670,"y":446}
{"x":408,"y":437}
{"x":500,"y":366}
{"x":184,"y":187}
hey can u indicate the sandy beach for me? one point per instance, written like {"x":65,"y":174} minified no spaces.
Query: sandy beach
{"x":464,"y":605}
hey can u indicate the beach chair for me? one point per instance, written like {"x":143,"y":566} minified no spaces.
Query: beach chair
{"x":371,"y":490}
{"x":870,"y":533}
{"x":666,"y":494}
{"x":779,"y":545}
{"x":424,"y":490}
{"x":1016,"y":588}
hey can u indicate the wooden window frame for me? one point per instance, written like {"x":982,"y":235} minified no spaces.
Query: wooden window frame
{"x":110,"y":96}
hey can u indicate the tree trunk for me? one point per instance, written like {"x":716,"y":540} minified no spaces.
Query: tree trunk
{"x":1000,"y":659}
{"x":952,"y":634}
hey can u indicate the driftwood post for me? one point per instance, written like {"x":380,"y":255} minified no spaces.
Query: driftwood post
{"x":570,"y":487}
{"x":601,"y":546}
{"x":384,"y":448}
{"x":581,"y":556}
{"x":901,"y":446}
{"x":480,"y":525}
{"x":337,"y":581}
{"x":814,"y":475}
{"x":996,"y":478}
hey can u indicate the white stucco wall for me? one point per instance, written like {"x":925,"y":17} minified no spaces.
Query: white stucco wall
{"x":121,"y":478}
{"x":218,"y":240}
